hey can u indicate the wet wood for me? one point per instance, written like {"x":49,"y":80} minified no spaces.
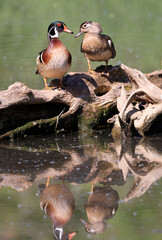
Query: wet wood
{"x":86,"y":103}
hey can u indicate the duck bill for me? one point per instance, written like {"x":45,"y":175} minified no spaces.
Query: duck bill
{"x":79,"y":33}
{"x":83,"y":221}
{"x":71,"y":235}
{"x":67,"y":30}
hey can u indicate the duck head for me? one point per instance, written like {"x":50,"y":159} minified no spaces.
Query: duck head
{"x":57,"y":27}
{"x":89,"y":27}
{"x":94,"y":228}
{"x":58,"y":234}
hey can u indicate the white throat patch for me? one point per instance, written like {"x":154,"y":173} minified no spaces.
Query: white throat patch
{"x":54,"y":33}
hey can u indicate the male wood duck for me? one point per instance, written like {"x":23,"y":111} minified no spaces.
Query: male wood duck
{"x":101,"y":205}
{"x":95,"y":46}
{"x":54,"y":61}
{"x":57,"y":202}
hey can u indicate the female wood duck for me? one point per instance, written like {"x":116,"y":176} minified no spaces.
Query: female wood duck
{"x":102,"y":204}
{"x":95,"y":46}
{"x":57,"y":202}
{"x":54,"y":61}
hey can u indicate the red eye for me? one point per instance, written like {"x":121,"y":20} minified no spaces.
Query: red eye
{"x":58,"y":24}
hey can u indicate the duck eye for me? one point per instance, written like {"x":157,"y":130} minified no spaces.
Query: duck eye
{"x":85,"y":25}
{"x":58,"y":24}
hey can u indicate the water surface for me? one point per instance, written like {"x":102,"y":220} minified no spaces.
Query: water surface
{"x":128,"y":182}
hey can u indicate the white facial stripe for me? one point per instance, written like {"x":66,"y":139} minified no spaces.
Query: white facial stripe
{"x":44,"y":208}
{"x":41,"y":57}
{"x":56,"y":33}
{"x":60,"y":230}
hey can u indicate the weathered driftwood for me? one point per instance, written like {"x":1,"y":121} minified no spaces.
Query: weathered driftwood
{"x":141,"y":112}
{"x":86,"y":102}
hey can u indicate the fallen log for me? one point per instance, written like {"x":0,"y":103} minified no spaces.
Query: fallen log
{"x":85,"y":103}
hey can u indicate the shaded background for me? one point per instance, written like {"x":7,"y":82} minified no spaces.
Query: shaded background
{"x":134,"y":26}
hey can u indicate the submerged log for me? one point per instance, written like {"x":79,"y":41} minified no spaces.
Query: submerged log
{"x":86,"y":102}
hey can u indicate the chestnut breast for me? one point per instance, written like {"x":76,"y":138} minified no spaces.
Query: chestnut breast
{"x":56,"y":60}
{"x":60,"y":203}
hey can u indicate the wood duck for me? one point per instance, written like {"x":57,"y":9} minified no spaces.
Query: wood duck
{"x":95,"y":46}
{"x":102,"y":204}
{"x":57,"y":202}
{"x":55,"y":60}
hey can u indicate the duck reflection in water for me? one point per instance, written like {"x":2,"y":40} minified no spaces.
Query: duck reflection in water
{"x":102,"y":204}
{"x":57,"y":202}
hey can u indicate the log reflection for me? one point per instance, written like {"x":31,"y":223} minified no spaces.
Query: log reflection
{"x":108,"y":163}
{"x":144,"y":161}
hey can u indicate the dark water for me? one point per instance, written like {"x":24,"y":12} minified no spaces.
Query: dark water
{"x":125,"y":201}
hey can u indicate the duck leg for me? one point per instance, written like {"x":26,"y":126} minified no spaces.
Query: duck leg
{"x":60,"y":86}
{"x":45,"y":82}
{"x":105,"y":71}
{"x":89,"y":66}
{"x":106,"y":68}
{"x":92,"y":186}
{"x":47,"y":184}
{"x":46,"y":85}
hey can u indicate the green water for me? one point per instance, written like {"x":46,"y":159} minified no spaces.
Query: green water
{"x":134,"y":183}
{"x":134,"y":26}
